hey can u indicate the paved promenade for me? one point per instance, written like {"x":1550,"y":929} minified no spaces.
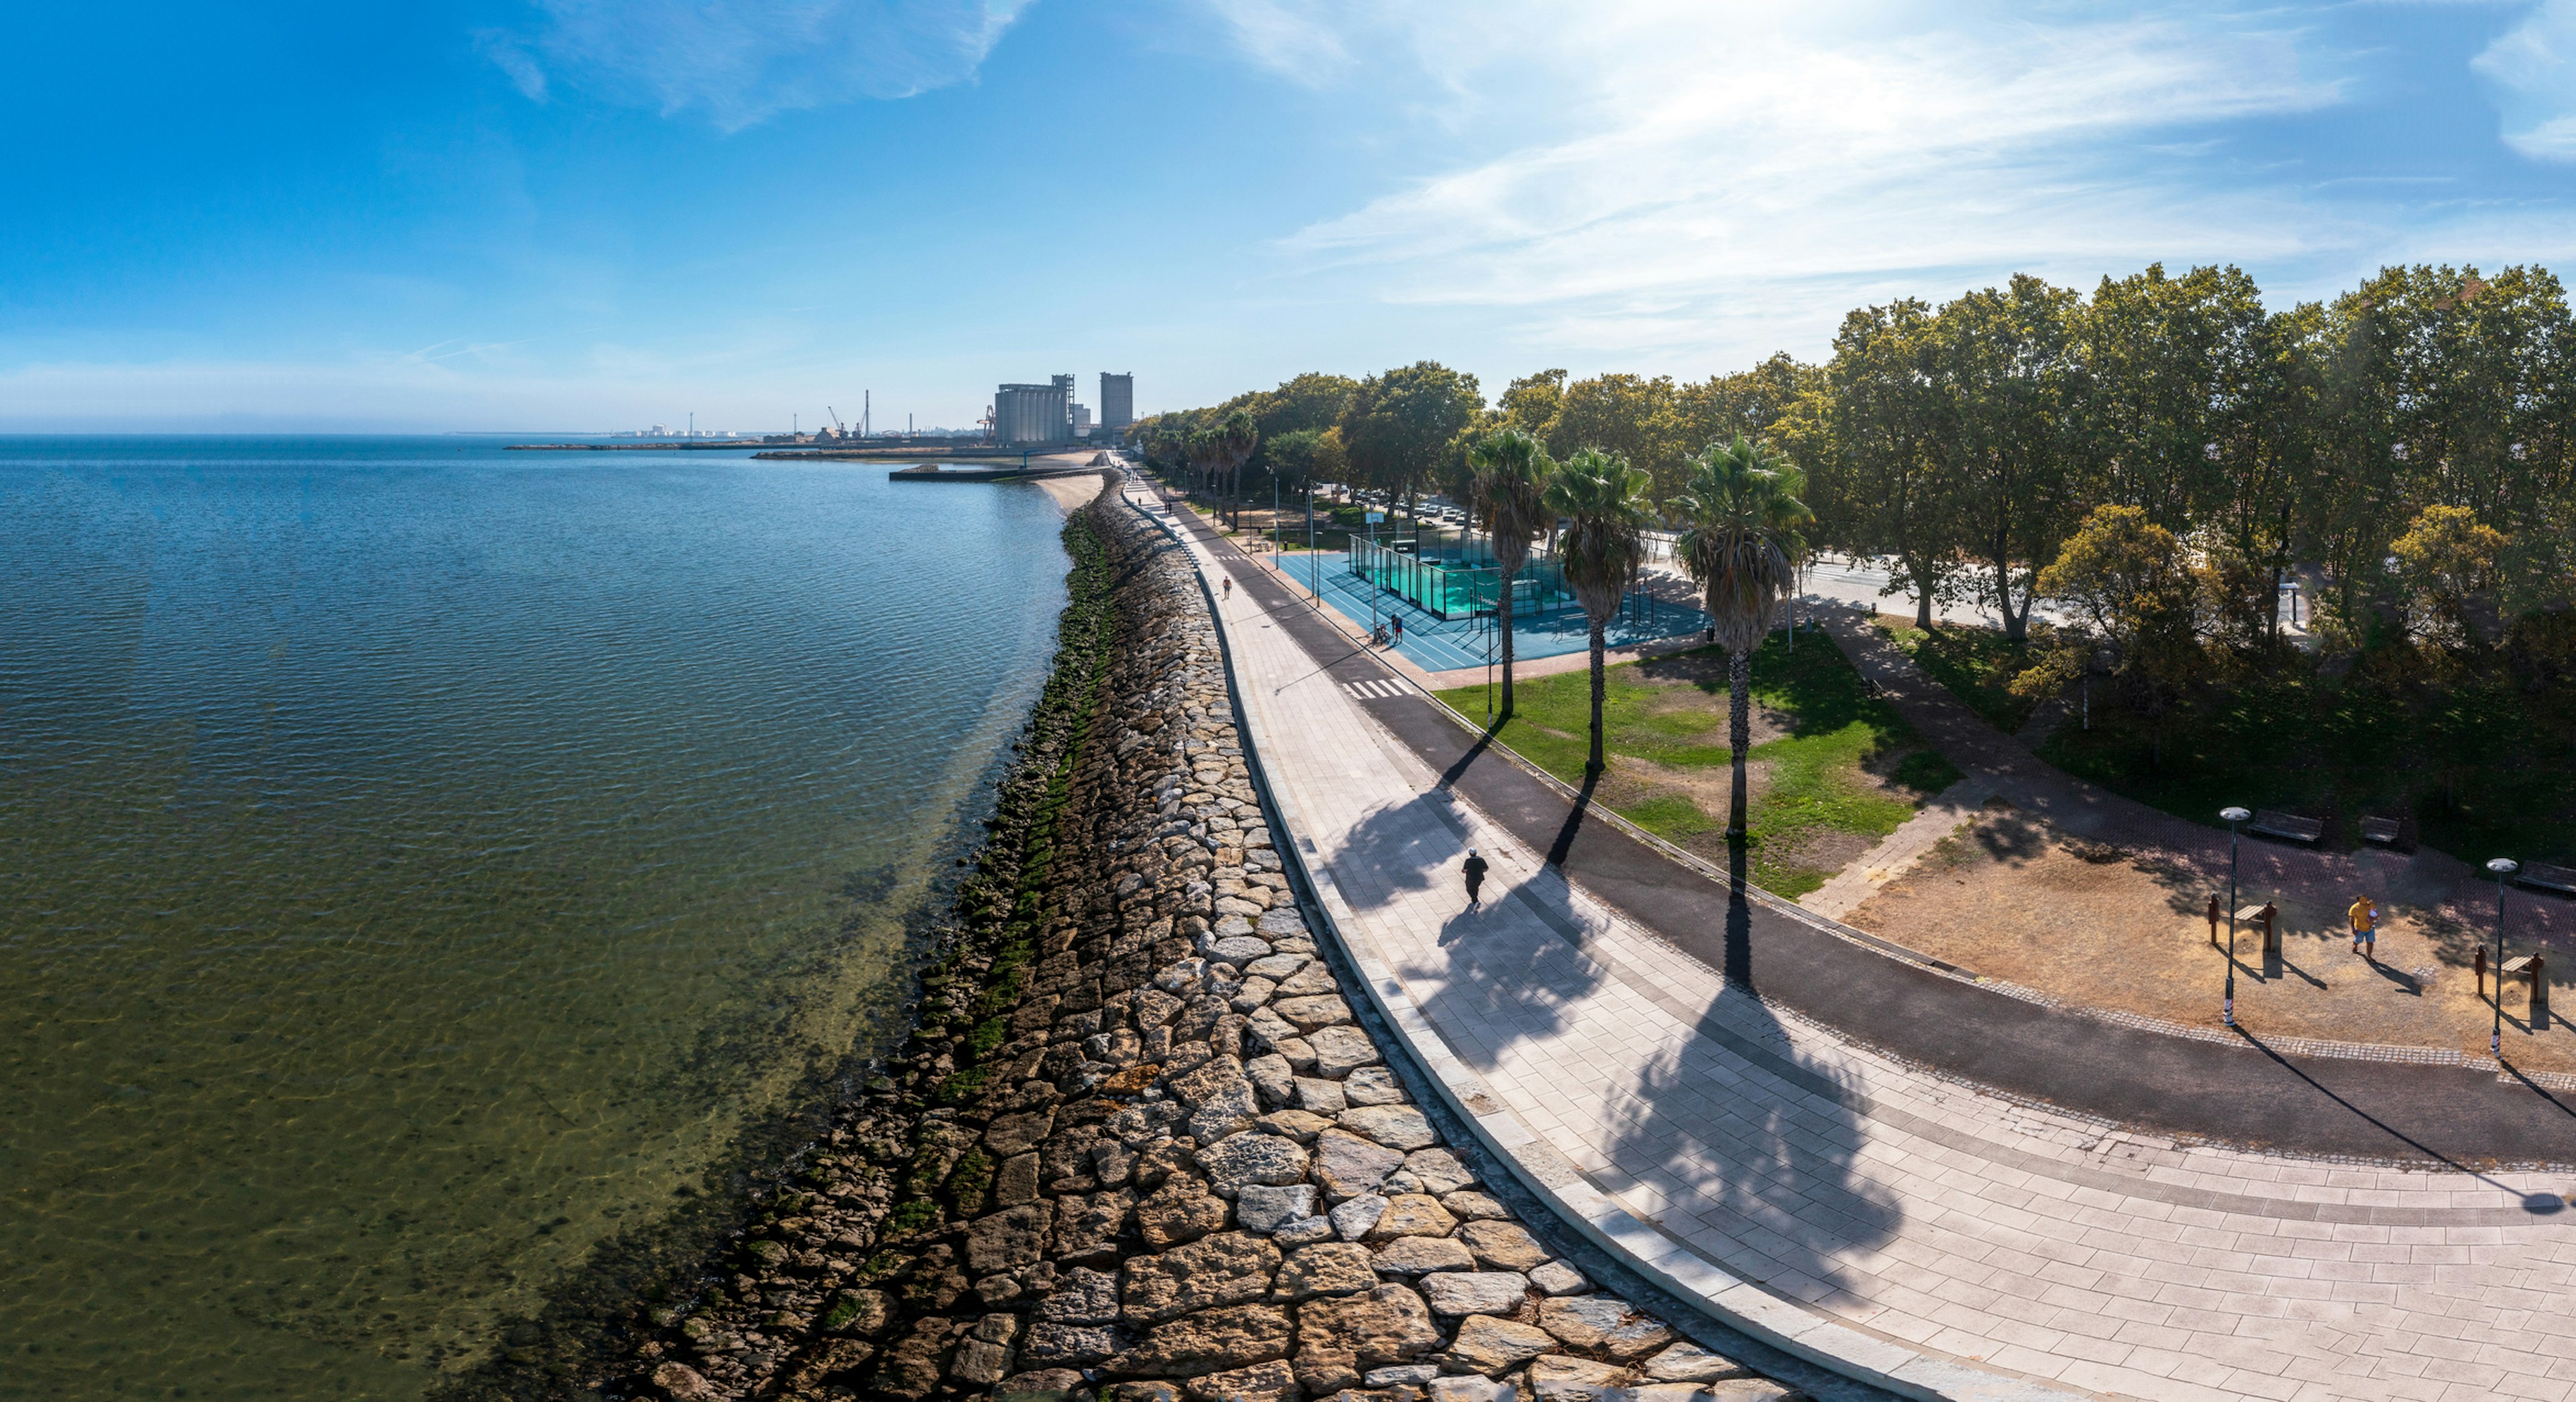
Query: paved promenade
{"x":1957,"y":1239}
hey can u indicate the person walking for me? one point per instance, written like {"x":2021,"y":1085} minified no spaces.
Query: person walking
{"x":1229,"y":586}
{"x":2365,"y":927}
{"x":1475,"y":870}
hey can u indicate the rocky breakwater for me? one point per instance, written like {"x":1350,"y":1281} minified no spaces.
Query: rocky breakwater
{"x":1141,"y":1149}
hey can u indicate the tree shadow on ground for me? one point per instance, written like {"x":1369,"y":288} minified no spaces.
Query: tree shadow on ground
{"x":1502,"y":971}
{"x":1727,"y":1136}
{"x":1748,"y":1149}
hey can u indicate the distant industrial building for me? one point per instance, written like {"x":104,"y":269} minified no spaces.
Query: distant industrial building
{"x":1117,"y":401}
{"x":1039,"y":414}
{"x":1033,"y":413}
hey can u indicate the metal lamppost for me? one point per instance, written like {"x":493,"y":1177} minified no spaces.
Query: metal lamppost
{"x":2503,"y":867}
{"x":2233,"y":816}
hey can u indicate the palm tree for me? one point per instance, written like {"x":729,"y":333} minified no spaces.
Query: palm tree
{"x":1603,"y":502}
{"x":1206,"y":449}
{"x":1235,"y":440}
{"x":1512,"y":471}
{"x":1742,"y":506}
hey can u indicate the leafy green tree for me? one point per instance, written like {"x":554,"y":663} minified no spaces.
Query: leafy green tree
{"x":1748,"y":404}
{"x":1744,"y":516}
{"x":1399,"y":427}
{"x":1512,"y":474}
{"x":1629,"y":415}
{"x":1532,"y":403}
{"x":2130,"y":583}
{"x":2448,"y":561}
{"x":1603,"y":502}
{"x":2008,"y":360}
{"x":2171,"y":376}
{"x":1885,"y":480}
{"x":1292,"y":455}
{"x":1309,"y":402}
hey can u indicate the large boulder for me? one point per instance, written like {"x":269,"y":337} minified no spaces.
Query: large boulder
{"x":1009,"y":1239}
{"x":1232,"y":1268}
{"x":1182,"y":1210}
{"x":1261,"y":1208}
{"x":1341,"y":1050}
{"x":1262,"y":1382}
{"x":1504,"y":1245}
{"x":1018,"y":1133}
{"x":1420,"y":1255}
{"x":1412,"y":1214}
{"x":1087,"y":1225}
{"x":1237,"y":1336}
{"x":1489,"y":1345}
{"x":1475,"y":1292}
{"x":1328,"y":1268}
{"x":1689,"y":1363}
{"x":1557,"y":1378}
{"x":1252,"y":1157}
{"x":1046,"y":1343}
{"x":1337,"y":1338}
{"x":1395,"y":1126}
{"x":1081,"y":1296}
{"x":1603,"y":1322}
{"x":1437,"y":1172}
{"x":1348,"y":1165}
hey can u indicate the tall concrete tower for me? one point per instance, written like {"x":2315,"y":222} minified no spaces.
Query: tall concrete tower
{"x":1117,"y":400}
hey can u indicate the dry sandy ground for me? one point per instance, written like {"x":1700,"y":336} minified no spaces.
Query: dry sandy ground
{"x":2124,"y":928}
{"x":1073,"y":493}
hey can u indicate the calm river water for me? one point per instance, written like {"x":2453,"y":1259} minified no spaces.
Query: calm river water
{"x":418,"y":861}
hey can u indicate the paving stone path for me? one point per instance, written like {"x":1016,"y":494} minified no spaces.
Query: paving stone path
{"x":1994,"y":1244}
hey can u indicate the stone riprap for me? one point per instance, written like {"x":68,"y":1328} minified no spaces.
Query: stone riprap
{"x":1140,"y":1148}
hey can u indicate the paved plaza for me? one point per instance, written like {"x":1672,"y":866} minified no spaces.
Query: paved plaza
{"x":1956,"y":1239}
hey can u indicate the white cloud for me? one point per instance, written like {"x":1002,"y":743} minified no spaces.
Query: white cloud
{"x":740,"y":62}
{"x":2533,"y":70}
{"x":512,"y":58}
{"x":1296,"y":42}
{"x":1682,"y":158}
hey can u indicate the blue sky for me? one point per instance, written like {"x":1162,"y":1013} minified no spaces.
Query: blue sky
{"x":591,"y":214}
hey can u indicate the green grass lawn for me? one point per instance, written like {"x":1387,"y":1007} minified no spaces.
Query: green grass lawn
{"x":1975,"y":663}
{"x":2481,"y":767}
{"x":1846,"y":773}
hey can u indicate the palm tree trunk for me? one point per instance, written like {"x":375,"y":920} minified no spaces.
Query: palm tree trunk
{"x":1739,"y":734}
{"x":1599,"y":643}
{"x":1503,"y":608}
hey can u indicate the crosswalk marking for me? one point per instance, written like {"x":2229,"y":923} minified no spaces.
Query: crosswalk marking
{"x":1375,"y":690}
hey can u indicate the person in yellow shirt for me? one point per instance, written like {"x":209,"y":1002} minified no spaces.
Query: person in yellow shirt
{"x":2365,"y":927}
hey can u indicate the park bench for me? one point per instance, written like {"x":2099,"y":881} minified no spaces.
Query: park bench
{"x":2547,"y":877}
{"x":2387,"y":832}
{"x":2287,"y":825}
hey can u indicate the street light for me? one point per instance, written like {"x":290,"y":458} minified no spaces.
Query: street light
{"x":2233,"y":816}
{"x":2503,"y":867}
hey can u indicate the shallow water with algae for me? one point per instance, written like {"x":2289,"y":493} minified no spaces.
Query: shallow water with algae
{"x":419,"y":862}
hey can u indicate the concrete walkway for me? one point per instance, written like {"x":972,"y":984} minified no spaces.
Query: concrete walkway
{"x":1934,"y":1235}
